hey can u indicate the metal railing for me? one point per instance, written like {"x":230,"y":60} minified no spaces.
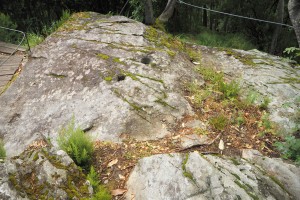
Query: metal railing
{"x":19,"y":44}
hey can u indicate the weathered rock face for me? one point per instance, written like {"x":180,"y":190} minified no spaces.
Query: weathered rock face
{"x":116,"y":80}
{"x":103,"y":71}
{"x":42,"y":173}
{"x":272,"y":77}
{"x":194,"y":176}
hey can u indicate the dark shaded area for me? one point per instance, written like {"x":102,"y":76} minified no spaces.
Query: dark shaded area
{"x":33,"y":16}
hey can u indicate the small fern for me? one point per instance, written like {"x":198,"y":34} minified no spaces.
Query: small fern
{"x":100,"y":191}
{"x":77,"y":144}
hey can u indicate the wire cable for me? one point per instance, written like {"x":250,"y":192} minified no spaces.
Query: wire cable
{"x":24,"y":37}
{"x":233,"y":15}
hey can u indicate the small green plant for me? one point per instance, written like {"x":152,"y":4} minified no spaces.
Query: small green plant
{"x":290,"y":148}
{"x":264,"y":105}
{"x":210,"y":75}
{"x":229,"y":90}
{"x":34,"y":39}
{"x":219,"y":122}
{"x":2,"y":150}
{"x":240,"y":119}
{"x":266,"y":123}
{"x":100,"y":191}
{"x":76,"y":143}
{"x":292,"y":53}
{"x":200,"y":131}
{"x":200,"y":96}
{"x":251,"y":97}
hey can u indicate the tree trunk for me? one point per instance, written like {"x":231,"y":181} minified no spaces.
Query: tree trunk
{"x":205,"y":17}
{"x":280,"y":14}
{"x":294,"y":12}
{"x":168,"y":12}
{"x":149,"y":19}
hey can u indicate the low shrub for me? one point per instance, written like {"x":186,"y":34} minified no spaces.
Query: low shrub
{"x":77,"y":144}
{"x":290,"y":148}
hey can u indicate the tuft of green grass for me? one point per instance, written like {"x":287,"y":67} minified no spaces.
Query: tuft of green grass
{"x":216,"y":39}
{"x":34,"y":39}
{"x":219,"y":122}
{"x":103,"y":56}
{"x":2,"y":150}
{"x":264,"y":105}
{"x":77,"y":144}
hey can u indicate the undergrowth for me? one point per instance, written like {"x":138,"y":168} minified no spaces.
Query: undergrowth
{"x":290,"y":148}
{"x":77,"y":144}
{"x":36,"y":38}
{"x":215,"y":39}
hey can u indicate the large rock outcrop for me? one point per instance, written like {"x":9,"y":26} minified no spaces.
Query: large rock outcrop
{"x":103,"y":71}
{"x":120,"y":78}
{"x":194,"y":176}
{"x":42,"y":172}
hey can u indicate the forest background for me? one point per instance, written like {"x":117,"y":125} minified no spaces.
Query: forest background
{"x":203,"y":27}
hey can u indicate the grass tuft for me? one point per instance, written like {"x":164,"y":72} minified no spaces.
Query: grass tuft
{"x":2,"y":150}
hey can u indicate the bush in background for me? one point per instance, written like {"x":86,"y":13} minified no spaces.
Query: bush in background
{"x":6,"y":35}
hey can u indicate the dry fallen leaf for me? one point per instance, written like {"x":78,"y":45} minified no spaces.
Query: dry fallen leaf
{"x":118,"y":192}
{"x":113,"y":162}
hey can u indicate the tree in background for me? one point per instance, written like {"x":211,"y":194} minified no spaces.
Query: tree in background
{"x":294,"y":11}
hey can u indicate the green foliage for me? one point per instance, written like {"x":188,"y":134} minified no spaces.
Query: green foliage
{"x":251,"y":97}
{"x":292,"y":53}
{"x":264,"y":105}
{"x":100,"y":191}
{"x":2,"y":150}
{"x":210,"y":75}
{"x":93,"y":178}
{"x":215,"y":39}
{"x":34,"y":39}
{"x":266,"y":123}
{"x":6,"y":35}
{"x":219,"y":122}
{"x":102,"y":194}
{"x":240,"y":119}
{"x":290,"y":148}
{"x":229,"y":90}
{"x":77,"y":144}
{"x":47,"y":30}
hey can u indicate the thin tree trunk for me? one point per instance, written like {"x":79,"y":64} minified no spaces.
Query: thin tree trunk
{"x":280,"y":14}
{"x":149,"y":19}
{"x":294,"y":12}
{"x":205,"y":17}
{"x":168,"y":12}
